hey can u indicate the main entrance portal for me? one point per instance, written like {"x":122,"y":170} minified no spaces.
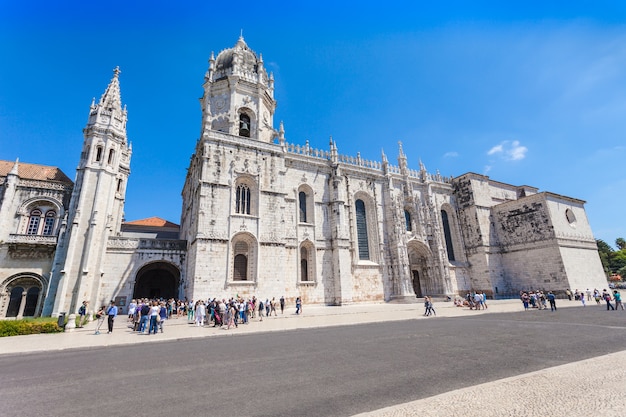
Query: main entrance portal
{"x":157,"y":280}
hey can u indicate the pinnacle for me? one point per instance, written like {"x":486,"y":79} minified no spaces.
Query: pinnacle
{"x":111,"y":99}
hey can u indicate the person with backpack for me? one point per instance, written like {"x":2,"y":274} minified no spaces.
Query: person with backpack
{"x":82,"y":312}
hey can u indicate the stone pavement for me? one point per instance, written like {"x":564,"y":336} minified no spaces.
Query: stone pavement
{"x":591,"y":387}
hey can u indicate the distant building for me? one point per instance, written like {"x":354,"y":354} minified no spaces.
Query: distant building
{"x":265,"y":217}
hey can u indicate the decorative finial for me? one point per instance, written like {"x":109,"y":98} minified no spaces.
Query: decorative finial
{"x":116,"y":72}
{"x":14,"y":170}
{"x":401,"y":150}
{"x":241,"y":34}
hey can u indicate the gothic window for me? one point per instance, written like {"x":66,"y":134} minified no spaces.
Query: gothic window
{"x":111,"y":155}
{"x":242,"y":199}
{"x":302,"y":206}
{"x":447,"y":235}
{"x":304,"y":264}
{"x":98,"y":153}
{"x":361,"y":228}
{"x":244,"y":125}
{"x":407,"y":220}
{"x":119,"y":185}
{"x":33,"y":222}
{"x":48,"y":226}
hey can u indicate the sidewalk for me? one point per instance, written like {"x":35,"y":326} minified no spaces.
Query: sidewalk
{"x":312,"y":316}
{"x":591,"y":387}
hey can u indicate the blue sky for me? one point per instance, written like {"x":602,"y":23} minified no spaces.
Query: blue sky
{"x":529,"y":93}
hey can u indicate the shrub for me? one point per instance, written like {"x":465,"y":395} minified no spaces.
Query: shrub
{"x":29,"y":326}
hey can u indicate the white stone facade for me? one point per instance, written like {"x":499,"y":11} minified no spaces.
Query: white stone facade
{"x":261,"y":216}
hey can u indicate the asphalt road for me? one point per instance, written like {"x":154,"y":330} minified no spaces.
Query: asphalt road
{"x":334,"y":371}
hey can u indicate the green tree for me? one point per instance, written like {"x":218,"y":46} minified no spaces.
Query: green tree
{"x":605,"y":251}
{"x":620,"y":243}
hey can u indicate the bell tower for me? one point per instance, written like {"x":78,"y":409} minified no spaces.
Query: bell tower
{"x":239,"y":95}
{"x":96,"y":206}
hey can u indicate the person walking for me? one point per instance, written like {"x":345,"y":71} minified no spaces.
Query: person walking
{"x":100,"y":317}
{"x":273,"y":306}
{"x":569,"y":294}
{"x":429,"y":307}
{"x":552,"y":301}
{"x":282,"y":304}
{"x":607,"y":297}
{"x":298,"y":305}
{"x":618,"y":299}
{"x":111,"y":313}
{"x":525,"y":300}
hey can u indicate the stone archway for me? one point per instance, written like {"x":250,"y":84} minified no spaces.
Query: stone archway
{"x":420,"y":265}
{"x":157,"y":280}
{"x":22,"y":296}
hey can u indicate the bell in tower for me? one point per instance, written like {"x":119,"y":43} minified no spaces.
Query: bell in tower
{"x":244,"y":125}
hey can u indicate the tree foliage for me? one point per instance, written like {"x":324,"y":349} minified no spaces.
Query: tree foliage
{"x":613,"y":261}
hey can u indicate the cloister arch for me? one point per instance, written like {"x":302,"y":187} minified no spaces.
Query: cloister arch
{"x":21,"y":295}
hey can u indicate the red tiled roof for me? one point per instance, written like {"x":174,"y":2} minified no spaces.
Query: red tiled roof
{"x":34,"y":172}
{"x":153,"y":222}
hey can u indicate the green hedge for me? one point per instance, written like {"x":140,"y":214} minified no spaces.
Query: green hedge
{"x":28,"y":326}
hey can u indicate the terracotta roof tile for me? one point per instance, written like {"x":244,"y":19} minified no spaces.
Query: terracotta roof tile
{"x":153,"y":222}
{"x":34,"y":172}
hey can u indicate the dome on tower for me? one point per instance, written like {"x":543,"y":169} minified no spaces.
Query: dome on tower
{"x":239,"y":60}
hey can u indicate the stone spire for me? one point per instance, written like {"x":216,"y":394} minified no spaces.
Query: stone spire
{"x":112,"y":99}
{"x":108,"y":113}
{"x":402,"y":159}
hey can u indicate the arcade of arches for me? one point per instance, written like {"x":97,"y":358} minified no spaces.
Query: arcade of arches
{"x":22,"y":297}
{"x":157,"y":280}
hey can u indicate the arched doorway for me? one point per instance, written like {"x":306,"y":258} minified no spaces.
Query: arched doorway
{"x":420,"y":264}
{"x":417,"y":287}
{"x":157,"y":280}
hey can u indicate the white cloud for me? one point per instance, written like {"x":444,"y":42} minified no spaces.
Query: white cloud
{"x":509,"y":150}
{"x":486,"y":169}
{"x":495,"y":149}
{"x":451,"y":154}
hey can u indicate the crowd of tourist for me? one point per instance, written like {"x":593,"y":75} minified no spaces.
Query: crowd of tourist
{"x":145,"y":315}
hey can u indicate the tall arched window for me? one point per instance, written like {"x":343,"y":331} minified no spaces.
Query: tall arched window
{"x":33,"y":222}
{"x":302,"y":206}
{"x":242,"y":199}
{"x":244,"y":125}
{"x":98,"y":153}
{"x":407,"y":220}
{"x":361,"y":229}
{"x":304,"y":264}
{"x":111,"y":155}
{"x":48,"y":226}
{"x":447,"y":235}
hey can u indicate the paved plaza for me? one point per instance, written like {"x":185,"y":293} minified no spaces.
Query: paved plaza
{"x":595,"y":386}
